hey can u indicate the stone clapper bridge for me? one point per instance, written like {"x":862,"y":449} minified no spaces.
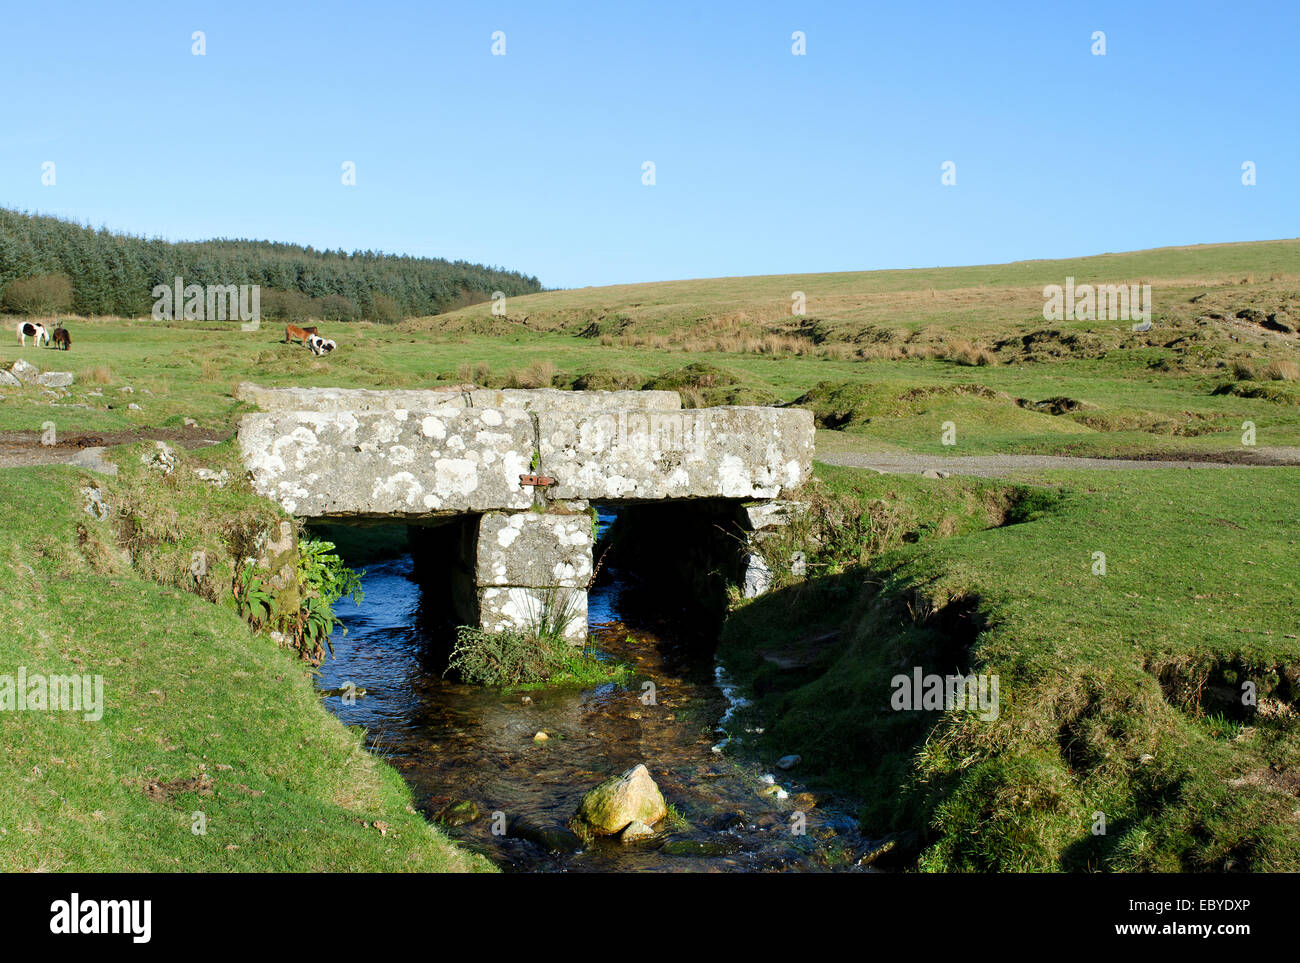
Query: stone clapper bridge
{"x":497,"y":486}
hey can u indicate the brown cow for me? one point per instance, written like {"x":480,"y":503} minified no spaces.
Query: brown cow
{"x":294,"y":333}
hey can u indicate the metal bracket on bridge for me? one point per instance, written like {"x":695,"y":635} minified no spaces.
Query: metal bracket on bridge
{"x":536,"y":481}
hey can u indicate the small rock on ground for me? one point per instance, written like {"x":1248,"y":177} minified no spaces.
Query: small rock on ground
{"x":92,"y":459}
{"x":636,"y":831}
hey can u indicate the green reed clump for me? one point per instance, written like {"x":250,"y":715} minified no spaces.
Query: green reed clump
{"x":537,"y":654}
{"x":481,"y":657}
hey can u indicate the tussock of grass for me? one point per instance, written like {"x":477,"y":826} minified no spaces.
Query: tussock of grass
{"x":704,"y":385}
{"x":1281,"y":371}
{"x":523,"y":660}
{"x":539,"y":374}
{"x":969,"y":355}
{"x":538,"y":655}
{"x":101,"y":374}
{"x":1278,"y":392}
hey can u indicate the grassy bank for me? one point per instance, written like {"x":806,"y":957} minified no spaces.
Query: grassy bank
{"x":1120,"y":693}
{"x":201,"y":715}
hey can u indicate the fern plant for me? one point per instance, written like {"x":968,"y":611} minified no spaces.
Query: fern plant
{"x":322,"y":574}
{"x":252,"y":599}
{"x":323,"y":579}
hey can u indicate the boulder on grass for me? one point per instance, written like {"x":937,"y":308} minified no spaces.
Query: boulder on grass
{"x":24,"y":371}
{"x":616,"y":803}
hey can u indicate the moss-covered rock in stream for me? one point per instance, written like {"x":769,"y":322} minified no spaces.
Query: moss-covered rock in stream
{"x":458,"y":813}
{"x":621,"y":800}
{"x":553,"y":839}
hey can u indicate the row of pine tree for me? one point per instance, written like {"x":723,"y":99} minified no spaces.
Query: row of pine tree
{"x":115,"y":274}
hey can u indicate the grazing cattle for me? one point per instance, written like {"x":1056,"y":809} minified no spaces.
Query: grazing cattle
{"x":319,"y":345}
{"x":34,"y":330}
{"x":62,"y":339}
{"x":294,"y":333}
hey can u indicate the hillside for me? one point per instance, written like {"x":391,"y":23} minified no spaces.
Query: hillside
{"x":884,"y":359}
{"x":874,"y":306}
{"x":214,"y":752}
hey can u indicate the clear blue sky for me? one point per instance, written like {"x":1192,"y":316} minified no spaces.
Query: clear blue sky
{"x":765,"y":162}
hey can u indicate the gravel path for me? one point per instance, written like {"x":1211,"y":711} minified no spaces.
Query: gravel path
{"x":994,"y":466}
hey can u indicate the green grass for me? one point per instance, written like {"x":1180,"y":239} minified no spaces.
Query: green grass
{"x":1113,"y":687}
{"x":581,"y":669}
{"x":870,"y":339}
{"x":190,"y":693}
{"x":1120,"y":692}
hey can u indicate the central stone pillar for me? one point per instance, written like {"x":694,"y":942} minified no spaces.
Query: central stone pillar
{"x":532,"y":568}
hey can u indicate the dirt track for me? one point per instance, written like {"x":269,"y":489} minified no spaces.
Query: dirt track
{"x":994,"y":466}
{"x":19,"y":449}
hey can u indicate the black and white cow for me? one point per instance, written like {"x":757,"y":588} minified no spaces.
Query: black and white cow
{"x":34,"y":330}
{"x":319,"y":345}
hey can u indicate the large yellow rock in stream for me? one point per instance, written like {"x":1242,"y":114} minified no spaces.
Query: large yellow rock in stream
{"x":622,"y":800}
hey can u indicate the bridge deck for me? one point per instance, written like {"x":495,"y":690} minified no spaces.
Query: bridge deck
{"x":445,"y":460}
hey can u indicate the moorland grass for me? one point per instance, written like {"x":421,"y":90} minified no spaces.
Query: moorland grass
{"x":900,"y":342}
{"x":202,"y":716}
{"x":1121,"y":693}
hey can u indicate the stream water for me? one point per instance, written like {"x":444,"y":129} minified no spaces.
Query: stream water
{"x":457,"y":743}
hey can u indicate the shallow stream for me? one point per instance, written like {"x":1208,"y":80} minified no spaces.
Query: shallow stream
{"x":456,"y":743}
